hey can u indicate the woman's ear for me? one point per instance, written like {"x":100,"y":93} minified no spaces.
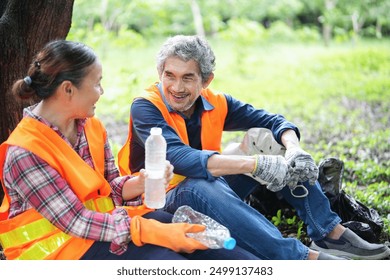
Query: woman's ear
{"x":67,"y":87}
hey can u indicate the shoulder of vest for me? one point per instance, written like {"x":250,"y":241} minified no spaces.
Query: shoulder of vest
{"x":95,"y":122}
{"x":210,"y":92}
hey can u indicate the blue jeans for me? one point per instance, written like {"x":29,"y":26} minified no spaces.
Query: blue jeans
{"x":100,"y":250}
{"x":253,"y":231}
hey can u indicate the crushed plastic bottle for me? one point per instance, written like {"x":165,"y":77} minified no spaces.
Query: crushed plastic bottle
{"x":155,"y":156}
{"x":215,"y":236}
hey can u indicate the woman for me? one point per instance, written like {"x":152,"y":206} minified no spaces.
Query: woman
{"x":64,"y":198}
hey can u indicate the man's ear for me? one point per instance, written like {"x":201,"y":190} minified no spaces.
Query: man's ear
{"x":207,"y":83}
{"x":159,"y":73}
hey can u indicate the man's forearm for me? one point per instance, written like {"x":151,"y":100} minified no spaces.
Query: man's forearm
{"x":219,"y":165}
{"x":290,"y":139}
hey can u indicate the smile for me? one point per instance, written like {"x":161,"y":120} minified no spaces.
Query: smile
{"x":179,"y":96}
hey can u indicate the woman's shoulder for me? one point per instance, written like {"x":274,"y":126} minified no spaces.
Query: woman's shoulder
{"x":17,"y":153}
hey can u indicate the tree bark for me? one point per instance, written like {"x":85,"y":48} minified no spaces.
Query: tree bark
{"x":198,"y":19}
{"x":25,"y":27}
{"x":327,"y":26}
{"x":378,"y":29}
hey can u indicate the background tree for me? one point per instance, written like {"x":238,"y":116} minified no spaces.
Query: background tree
{"x":198,"y":19}
{"x":25,"y":27}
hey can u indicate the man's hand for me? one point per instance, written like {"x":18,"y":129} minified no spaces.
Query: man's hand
{"x":273,"y":170}
{"x":303,"y":167}
{"x":168,"y":176}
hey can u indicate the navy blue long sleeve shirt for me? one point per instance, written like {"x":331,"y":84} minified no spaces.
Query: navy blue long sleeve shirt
{"x":190,"y":160}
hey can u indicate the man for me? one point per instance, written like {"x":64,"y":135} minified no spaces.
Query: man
{"x":192,"y":118}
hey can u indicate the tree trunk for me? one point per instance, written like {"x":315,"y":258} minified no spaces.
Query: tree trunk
{"x":327,"y":26}
{"x":25,"y":27}
{"x":357,"y":24}
{"x":327,"y":34}
{"x":378,"y":29}
{"x":198,"y":19}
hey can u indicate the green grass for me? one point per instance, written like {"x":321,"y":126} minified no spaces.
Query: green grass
{"x":339,"y":96}
{"x":292,"y":78}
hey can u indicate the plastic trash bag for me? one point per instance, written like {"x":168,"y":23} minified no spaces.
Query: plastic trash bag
{"x":363,"y":230}
{"x":330,"y":175}
{"x":350,"y":209}
{"x":266,"y":202}
{"x":364,"y":221}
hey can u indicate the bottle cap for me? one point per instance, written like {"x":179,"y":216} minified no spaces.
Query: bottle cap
{"x":229,"y":243}
{"x":155,"y":130}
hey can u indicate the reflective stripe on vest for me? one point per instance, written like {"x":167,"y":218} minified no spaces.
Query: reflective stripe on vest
{"x":45,"y":247}
{"x":48,"y":237}
{"x":26,"y":233}
{"x":101,"y":204}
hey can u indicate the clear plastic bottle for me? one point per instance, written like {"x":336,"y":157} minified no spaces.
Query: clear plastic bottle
{"x":215,"y":236}
{"x":155,"y":156}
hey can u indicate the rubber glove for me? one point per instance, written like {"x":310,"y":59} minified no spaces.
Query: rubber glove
{"x":273,"y":170}
{"x":303,"y":167}
{"x":172,"y":236}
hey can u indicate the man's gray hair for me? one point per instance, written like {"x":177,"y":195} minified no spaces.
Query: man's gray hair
{"x":187,"y":48}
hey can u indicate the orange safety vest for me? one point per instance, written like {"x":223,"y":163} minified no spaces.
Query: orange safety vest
{"x":212,"y":123}
{"x":31,"y":236}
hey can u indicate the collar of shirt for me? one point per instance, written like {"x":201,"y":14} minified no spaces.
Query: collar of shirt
{"x":28,"y":112}
{"x":206,"y":106}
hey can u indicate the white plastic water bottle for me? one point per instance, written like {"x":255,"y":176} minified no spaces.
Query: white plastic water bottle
{"x":155,"y":157}
{"x":215,"y":236}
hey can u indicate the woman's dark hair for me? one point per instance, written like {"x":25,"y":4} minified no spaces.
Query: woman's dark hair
{"x":58,"y":61}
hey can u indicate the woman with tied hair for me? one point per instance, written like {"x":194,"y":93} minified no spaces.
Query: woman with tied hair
{"x":64,"y":198}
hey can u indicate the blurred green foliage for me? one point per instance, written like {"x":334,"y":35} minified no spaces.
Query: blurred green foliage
{"x":345,"y":19}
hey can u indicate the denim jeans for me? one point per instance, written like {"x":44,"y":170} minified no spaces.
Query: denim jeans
{"x":249,"y":227}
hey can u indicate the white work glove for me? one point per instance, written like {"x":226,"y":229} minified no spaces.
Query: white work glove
{"x":303,"y":167}
{"x":272,"y":169}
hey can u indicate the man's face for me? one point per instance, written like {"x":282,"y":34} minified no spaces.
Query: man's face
{"x":182,"y":84}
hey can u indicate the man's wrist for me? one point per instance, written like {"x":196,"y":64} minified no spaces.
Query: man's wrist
{"x":256,"y":157}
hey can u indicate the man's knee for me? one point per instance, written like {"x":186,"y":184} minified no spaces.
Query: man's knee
{"x":160,"y":216}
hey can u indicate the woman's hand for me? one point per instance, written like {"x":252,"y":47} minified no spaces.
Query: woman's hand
{"x":135,"y":186}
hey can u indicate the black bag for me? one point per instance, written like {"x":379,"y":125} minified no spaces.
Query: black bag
{"x":266,"y":202}
{"x":351,"y":210}
{"x":364,"y":221}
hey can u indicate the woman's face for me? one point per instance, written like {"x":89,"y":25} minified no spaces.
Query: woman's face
{"x":89,"y":92}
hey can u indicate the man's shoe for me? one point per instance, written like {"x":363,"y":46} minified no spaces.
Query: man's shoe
{"x":352,"y":246}
{"x":325,"y":256}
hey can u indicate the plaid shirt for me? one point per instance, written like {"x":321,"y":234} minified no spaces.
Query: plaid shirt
{"x":32,"y":183}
